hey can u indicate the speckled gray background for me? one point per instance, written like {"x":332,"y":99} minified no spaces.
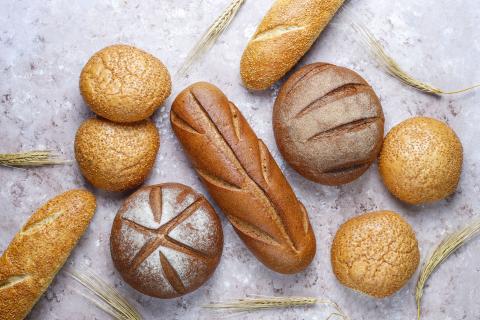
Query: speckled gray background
{"x":44,"y":44}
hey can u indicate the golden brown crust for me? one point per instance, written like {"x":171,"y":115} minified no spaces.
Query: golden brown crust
{"x":285,"y":34}
{"x":166,"y":240}
{"x":114,"y":156}
{"x":39,"y":250}
{"x":421,"y":160}
{"x":328,"y":123}
{"x":243,"y":178}
{"x":124,"y":84}
{"x":375,"y":253}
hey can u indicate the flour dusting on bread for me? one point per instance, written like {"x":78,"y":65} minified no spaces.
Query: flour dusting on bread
{"x":175,"y":256}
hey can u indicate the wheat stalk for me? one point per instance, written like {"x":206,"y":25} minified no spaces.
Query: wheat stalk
{"x":448,"y":246}
{"x":104,"y":296}
{"x":393,"y":68}
{"x":211,"y":35}
{"x":256,"y":303}
{"x":31,"y":159}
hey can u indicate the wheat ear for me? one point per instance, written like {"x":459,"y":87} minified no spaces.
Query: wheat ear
{"x":392,"y":67}
{"x":257,"y":302}
{"x":211,"y":35}
{"x":448,"y":246}
{"x":31,"y":159}
{"x":105,"y":296}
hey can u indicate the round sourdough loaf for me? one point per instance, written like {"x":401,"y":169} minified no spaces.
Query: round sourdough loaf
{"x":114,"y":156}
{"x":166,"y":240}
{"x":421,"y":160}
{"x":375,"y":253}
{"x":328,"y":123}
{"x":124,"y":84}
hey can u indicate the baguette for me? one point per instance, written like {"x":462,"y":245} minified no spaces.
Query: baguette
{"x":285,"y":34}
{"x":243,"y":178}
{"x":39,"y":250}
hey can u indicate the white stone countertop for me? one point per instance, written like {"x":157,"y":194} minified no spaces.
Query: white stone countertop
{"x":44,"y":44}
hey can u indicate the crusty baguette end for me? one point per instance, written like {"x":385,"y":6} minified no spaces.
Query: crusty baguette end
{"x":39,"y":250}
{"x":285,"y":34}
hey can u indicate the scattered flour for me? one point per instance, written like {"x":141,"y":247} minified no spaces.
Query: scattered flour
{"x":131,"y":241}
{"x":170,"y":207}
{"x":197,"y":232}
{"x":140,"y":212}
{"x":151,"y":274}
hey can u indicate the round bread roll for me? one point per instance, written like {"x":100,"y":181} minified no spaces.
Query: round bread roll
{"x":116,"y":157}
{"x":421,"y":160}
{"x":375,"y":253}
{"x":328,"y":123}
{"x":124,"y":84}
{"x":166,"y":240}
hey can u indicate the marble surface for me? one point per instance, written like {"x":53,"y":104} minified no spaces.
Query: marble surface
{"x":44,"y":44}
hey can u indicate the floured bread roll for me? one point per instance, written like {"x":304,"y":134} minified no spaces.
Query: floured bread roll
{"x":166,"y":240}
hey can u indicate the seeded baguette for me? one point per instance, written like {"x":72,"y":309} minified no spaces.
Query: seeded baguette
{"x":39,"y":250}
{"x":285,"y":34}
{"x":243,"y":178}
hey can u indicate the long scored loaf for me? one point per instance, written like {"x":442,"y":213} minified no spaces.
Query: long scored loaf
{"x":285,"y":34}
{"x":243,"y":178}
{"x":39,"y":250}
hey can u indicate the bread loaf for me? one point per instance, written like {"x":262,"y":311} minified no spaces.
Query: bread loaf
{"x":421,"y":160}
{"x":328,"y":123}
{"x":166,"y":240}
{"x":39,"y":250}
{"x":285,"y":34}
{"x":243,"y":178}
{"x":124,"y":84}
{"x":375,"y":253}
{"x":116,"y":156}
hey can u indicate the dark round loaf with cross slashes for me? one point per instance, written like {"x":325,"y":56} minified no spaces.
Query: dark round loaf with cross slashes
{"x":328,"y":123}
{"x":166,"y":240}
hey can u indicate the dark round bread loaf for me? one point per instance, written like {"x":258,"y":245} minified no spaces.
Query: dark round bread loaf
{"x":328,"y":123}
{"x":166,"y":240}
